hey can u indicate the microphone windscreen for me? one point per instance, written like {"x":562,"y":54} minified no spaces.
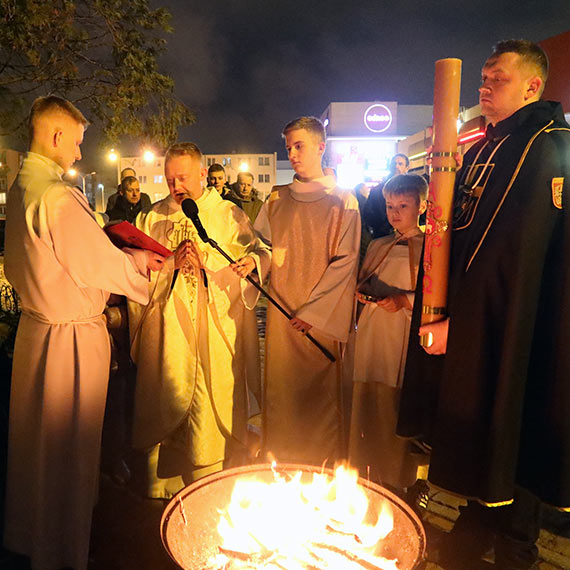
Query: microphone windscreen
{"x":189,"y":208}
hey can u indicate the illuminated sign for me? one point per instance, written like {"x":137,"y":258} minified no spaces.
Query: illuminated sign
{"x":377,"y":118}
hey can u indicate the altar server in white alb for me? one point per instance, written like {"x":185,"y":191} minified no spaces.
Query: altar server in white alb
{"x":314,"y":229}
{"x":196,"y":344}
{"x":63,"y":267}
{"x":386,"y":286}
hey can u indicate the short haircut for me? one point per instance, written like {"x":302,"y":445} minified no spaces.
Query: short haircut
{"x":531,"y":53}
{"x":125,"y":170}
{"x":127,"y":182}
{"x":183,"y":149}
{"x":245,"y":174}
{"x":406,"y":184}
{"x":310,"y":124}
{"x":216,"y":167}
{"x":393,"y":159}
{"x":54,"y":105}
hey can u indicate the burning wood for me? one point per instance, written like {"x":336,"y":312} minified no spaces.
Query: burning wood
{"x":294,"y":518}
{"x":320,"y":525}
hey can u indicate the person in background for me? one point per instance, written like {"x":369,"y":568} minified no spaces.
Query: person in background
{"x":374,"y":212}
{"x":145,"y":198}
{"x":245,"y":195}
{"x":361,"y":192}
{"x":129,"y":203}
{"x":218,"y":179}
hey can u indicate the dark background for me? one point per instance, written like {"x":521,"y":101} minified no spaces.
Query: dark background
{"x":247,"y":67}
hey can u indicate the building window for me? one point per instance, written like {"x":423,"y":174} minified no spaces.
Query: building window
{"x":2,"y":197}
{"x":229,"y":161}
{"x":158,"y":179}
{"x":142,"y":179}
{"x":267,"y":178}
{"x":223,"y":161}
{"x":260,"y":178}
{"x":260,"y":162}
{"x":266,"y":161}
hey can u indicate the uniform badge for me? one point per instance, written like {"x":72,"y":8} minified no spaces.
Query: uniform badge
{"x":557,"y":185}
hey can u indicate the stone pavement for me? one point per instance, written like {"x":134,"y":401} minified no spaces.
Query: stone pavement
{"x":554,"y":549}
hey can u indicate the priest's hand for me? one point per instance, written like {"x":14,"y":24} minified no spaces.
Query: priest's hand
{"x":244,"y":266}
{"x":394,"y":303}
{"x":195,"y":256}
{"x":154,"y":261}
{"x":300,"y":325}
{"x":438,"y":333}
{"x":181,"y":254}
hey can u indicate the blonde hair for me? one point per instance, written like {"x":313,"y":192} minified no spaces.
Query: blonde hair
{"x":183,"y":149}
{"x":54,"y":105}
{"x":310,"y":124}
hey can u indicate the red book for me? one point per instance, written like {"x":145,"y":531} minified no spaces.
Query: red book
{"x":123,"y":234}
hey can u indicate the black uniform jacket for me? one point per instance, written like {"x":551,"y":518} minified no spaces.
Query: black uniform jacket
{"x":496,"y":407}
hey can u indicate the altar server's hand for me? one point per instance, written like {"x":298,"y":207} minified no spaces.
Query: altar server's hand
{"x":300,"y":325}
{"x":439,"y":332}
{"x":244,"y":266}
{"x":154,"y":261}
{"x":365,"y":299}
{"x":394,"y":303}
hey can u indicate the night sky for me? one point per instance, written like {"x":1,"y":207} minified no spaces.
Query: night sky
{"x":248,"y":67}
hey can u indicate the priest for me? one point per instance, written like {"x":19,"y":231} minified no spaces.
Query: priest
{"x":195,"y":345}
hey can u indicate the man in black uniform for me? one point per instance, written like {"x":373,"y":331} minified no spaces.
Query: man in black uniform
{"x":493,"y":393}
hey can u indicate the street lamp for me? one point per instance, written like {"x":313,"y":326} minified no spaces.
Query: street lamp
{"x":75,"y":174}
{"x":148,"y":156}
{"x":114,"y":157}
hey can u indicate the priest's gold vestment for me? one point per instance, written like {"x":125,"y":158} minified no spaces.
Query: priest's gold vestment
{"x":196,"y":348}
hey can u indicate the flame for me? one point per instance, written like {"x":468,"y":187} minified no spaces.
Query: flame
{"x":287,"y":523}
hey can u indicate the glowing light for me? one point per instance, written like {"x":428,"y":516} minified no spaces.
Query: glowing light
{"x":419,"y":155}
{"x":471,"y":137}
{"x":113,"y":155}
{"x":72,"y":172}
{"x":148,"y":156}
{"x":293,"y":522}
{"x":244,"y":167}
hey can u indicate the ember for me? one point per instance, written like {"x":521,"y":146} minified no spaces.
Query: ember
{"x":294,"y":518}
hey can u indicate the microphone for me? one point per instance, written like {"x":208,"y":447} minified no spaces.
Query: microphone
{"x":190,"y":209}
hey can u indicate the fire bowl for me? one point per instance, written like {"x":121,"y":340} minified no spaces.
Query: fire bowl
{"x":189,"y":522}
